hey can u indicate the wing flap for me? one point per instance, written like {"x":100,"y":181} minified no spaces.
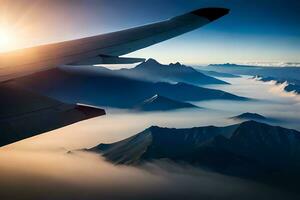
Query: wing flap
{"x":25,"y":114}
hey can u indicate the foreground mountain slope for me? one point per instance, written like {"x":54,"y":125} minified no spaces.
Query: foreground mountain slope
{"x":247,"y":149}
{"x":157,"y":143}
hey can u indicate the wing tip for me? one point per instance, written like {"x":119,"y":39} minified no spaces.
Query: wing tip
{"x":211,"y":13}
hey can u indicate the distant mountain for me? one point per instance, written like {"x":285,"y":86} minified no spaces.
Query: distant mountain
{"x":249,"y":116}
{"x":218,"y":74}
{"x":292,"y":85}
{"x":101,"y":87}
{"x":160,"y":103}
{"x":227,"y":65}
{"x":152,"y":70}
{"x":288,"y":73}
{"x":233,"y":69}
{"x":249,"y":149}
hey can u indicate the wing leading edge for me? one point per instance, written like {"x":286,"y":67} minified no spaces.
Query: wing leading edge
{"x":99,"y":48}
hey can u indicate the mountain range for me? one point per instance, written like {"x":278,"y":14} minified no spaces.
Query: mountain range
{"x":154,"y":71}
{"x":99,"y":86}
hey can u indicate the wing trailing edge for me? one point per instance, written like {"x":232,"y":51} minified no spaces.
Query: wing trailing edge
{"x":103,"y":59}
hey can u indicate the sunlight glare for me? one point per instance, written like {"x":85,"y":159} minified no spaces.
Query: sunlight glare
{"x":6,"y":39}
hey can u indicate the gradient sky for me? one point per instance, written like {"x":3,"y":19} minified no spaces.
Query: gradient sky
{"x":254,"y":31}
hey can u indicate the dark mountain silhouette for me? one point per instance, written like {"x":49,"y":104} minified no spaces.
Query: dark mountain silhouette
{"x":250,"y":149}
{"x":102,"y":87}
{"x":249,"y":116}
{"x":152,"y":70}
{"x":160,"y":103}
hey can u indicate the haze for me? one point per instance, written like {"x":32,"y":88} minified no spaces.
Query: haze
{"x":43,"y":162}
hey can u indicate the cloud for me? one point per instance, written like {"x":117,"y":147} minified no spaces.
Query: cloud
{"x":279,"y":88}
{"x":270,"y":64}
{"x":81,"y":175}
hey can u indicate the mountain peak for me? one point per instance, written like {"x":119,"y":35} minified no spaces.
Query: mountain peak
{"x":149,"y":65}
{"x":155,"y":71}
{"x":152,"y":61}
{"x":177,"y":64}
{"x":249,"y":116}
{"x":153,"y":128}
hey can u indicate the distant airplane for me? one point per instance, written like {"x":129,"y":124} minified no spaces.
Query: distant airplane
{"x":24,"y":114}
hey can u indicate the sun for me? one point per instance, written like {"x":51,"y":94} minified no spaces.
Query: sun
{"x":6,"y":39}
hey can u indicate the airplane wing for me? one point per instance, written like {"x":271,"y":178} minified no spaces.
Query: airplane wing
{"x":24,"y":113}
{"x":102,"y":49}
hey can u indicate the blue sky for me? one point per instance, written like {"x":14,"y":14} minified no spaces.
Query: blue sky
{"x":254,"y":31}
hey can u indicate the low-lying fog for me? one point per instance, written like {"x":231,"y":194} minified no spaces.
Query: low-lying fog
{"x":41,"y":168}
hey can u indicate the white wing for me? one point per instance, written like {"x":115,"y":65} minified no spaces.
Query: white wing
{"x":102,"y":49}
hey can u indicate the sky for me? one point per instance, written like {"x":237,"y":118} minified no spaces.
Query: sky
{"x":254,"y":31}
